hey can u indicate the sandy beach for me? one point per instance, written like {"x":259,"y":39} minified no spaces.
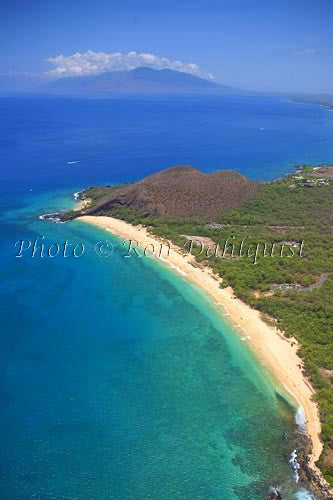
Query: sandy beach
{"x":275,"y":352}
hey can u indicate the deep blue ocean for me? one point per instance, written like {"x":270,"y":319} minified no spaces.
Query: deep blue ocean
{"x":118,"y":379}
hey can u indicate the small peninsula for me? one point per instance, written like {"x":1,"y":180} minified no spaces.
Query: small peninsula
{"x":291,"y":293}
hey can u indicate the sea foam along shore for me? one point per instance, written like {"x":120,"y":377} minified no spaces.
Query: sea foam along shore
{"x":275,"y":351}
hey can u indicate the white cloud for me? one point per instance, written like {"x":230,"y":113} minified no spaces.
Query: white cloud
{"x":304,"y":52}
{"x":94,"y":63}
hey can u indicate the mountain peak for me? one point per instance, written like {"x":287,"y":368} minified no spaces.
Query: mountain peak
{"x":139,"y":81}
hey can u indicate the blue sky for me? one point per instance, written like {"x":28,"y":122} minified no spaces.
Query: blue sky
{"x":269,"y":45}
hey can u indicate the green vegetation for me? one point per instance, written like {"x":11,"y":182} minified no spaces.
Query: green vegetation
{"x":95,"y":193}
{"x":308,"y":169}
{"x":98,"y":193}
{"x":284,"y":215}
{"x":269,"y":250}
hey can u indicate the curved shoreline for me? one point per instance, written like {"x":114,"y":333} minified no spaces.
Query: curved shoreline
{"x":275,"y":351}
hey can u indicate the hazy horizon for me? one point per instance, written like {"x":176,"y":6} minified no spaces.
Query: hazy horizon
{"x":249,"y":45}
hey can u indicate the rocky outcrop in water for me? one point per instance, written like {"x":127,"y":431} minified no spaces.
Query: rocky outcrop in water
{"x":309,"y":476}
{"x":274,"y":495}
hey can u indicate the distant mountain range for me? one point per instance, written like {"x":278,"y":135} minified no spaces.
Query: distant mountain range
{"x":139,"y":81}
{"x":322,"y":100}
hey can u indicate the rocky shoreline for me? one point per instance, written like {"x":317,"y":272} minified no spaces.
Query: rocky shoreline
{"x":61,"y":217}
{"x":306,"y":476}
{"x":310,"y":476}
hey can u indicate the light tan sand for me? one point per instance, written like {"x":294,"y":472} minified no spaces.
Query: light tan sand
{"x":276,"y":352}
{"x":81,"y":204}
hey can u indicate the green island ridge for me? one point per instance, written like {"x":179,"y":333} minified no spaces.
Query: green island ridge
{"x":325,"y":101}
{"x":284,"y":230}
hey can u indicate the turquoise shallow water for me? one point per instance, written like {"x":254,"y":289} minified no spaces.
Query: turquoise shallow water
{"x":121,"y":380}
{"x":118,"y":379}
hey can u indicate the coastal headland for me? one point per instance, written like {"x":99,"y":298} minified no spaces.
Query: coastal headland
{"x":280,"y":305}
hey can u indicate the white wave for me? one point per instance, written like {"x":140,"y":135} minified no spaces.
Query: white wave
{"x":295,"y":465}
{"x":300,"y":419}
{"x":73,"y":162}
{"x":277,"y":492}
{"x":45,"y":216}
{"x":51,"y":217}
{"x":304,"y":495}
{"x":180,"y":271}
